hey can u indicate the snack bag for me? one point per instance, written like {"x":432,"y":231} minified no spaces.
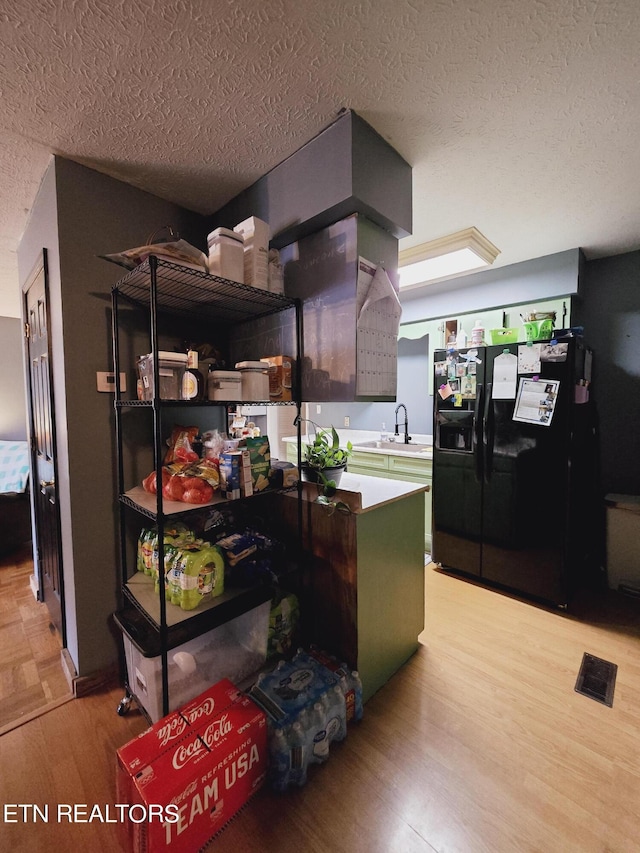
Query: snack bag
{"x":283,"y":621}
{"x":180,"y":445}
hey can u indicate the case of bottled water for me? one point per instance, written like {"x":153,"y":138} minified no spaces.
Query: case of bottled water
{"x":306,"y":711}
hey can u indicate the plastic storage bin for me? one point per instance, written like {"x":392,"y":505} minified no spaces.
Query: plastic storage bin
{"x":623,"y":542}
{"x":504,"y":336}
{"x":171,"y":368}
{"x":224,"y":385}
{"x":255,"y":380}
{"x":233,"y":650}
{"x":538,"y":330}
{"x":226,"y":254}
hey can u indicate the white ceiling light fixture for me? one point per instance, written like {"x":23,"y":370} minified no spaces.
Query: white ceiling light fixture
{"x":447,"y":257}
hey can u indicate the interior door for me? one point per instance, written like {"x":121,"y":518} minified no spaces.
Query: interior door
{"x":42,"y":428}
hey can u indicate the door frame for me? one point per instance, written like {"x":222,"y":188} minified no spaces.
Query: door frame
{"x":41,"y":268}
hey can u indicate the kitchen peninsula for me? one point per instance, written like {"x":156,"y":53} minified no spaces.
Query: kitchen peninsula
{"x":391,"y":459}
{"x":364,"y":589}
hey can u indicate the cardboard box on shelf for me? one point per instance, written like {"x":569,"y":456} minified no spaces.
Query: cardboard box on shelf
{"x":260,"y":454}
{"x":235,"y":472}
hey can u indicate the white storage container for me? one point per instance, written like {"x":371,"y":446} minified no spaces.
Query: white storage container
{"x":623,"y":542}
{"x":255,"y":233}
{"x":234,"y":650}
{"x":224,"y":385}
{"x":226,"y":254}
{"x":255,"y":380}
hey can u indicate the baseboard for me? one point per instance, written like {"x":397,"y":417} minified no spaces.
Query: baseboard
{"x":33,"y":583}
{"x":82,"y":685}
{"x":68,"y":668}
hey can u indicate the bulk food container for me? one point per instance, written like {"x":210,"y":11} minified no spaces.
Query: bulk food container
{"x":226,"y":254}
{"x":171,"y":368}
{"x":255,"y":380}
{"x":224,"y":385}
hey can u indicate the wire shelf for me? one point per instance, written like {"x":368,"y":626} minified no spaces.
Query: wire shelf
{"x":187,"y":291}
{"x":147,"y":404}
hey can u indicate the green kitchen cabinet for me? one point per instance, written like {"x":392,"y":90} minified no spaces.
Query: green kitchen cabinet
{"x":361,"y":462}
{"x":363,"y":597}
{"x":398,"y":467}
{"x":411,"y":469}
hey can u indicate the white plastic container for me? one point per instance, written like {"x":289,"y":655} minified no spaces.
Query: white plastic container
{"x":226,"y":254}
{"x":171,"y":368}
{"x":234,"y":650}
{"x":623,"y":542}
{"x":275,"y":272}
{"x":477,"y":335}
{"x":255,"y":380}
{"x":224,"y":385}
{"x":255,"y":233}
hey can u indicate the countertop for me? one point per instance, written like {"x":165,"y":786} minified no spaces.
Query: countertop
{"x":357,"y":437}
{"x":363,"y":493}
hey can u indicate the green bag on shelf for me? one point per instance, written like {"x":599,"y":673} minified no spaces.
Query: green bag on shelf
{"x":283,"y":622}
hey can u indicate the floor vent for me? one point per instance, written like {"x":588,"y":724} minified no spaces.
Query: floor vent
{"x":597,"y":679}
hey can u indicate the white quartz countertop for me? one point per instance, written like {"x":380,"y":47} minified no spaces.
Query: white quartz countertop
{"x":363,"y":493}
{"x":420,"y":446}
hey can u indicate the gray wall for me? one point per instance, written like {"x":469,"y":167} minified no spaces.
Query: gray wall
{"x":608,"y":306}
{"x":79,"y":214}
{"x":529,"y":281}
{"x":347,"y":168}
{"x":413,"y":391}
{"x":13,"y":411}
{"x":609,"y":309}
{"x":541,"y":278}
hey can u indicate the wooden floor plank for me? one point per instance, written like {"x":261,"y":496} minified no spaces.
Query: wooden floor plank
{"x":31,"y":673}
{"x":480,"y":744}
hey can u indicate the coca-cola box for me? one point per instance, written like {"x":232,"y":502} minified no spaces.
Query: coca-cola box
{"x":198,"y":781}
{"x":134,"y":756}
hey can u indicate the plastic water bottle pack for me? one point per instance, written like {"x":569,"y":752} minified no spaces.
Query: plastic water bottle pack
{"x":307,"y":710}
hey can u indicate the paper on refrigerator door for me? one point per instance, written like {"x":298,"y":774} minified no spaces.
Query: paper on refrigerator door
{"x":378,"y":322}
{"x":529,"y":358}
{"x":536,"y":401}
{"x":505,"y":376}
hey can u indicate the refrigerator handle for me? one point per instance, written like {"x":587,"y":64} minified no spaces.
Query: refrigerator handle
{"x":477,"y":432}
{"x":487,"y":434}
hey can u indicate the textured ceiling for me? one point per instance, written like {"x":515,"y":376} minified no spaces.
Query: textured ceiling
{"x":520,"y":117}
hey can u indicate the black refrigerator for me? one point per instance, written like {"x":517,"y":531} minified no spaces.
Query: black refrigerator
{"x":515,"y":467}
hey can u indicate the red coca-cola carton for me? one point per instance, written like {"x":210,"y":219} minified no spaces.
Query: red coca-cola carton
{"x":134,"y":756}
{"x":190,"y":791}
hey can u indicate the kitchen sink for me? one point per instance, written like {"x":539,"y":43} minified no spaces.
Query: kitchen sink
{"x":394,"y":446}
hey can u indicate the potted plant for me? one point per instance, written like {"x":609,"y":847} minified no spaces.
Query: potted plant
{"x":323,"y":459}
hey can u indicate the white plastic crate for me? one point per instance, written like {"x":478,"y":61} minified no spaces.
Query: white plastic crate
{"x":233,"y":650}
{"x":623,"y":542}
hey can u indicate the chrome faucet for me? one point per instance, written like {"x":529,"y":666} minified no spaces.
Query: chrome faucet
{"x":407,"y":437}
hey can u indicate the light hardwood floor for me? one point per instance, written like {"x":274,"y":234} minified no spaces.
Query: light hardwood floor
{"x":480,"y":744}
{"x":31,"y":674}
